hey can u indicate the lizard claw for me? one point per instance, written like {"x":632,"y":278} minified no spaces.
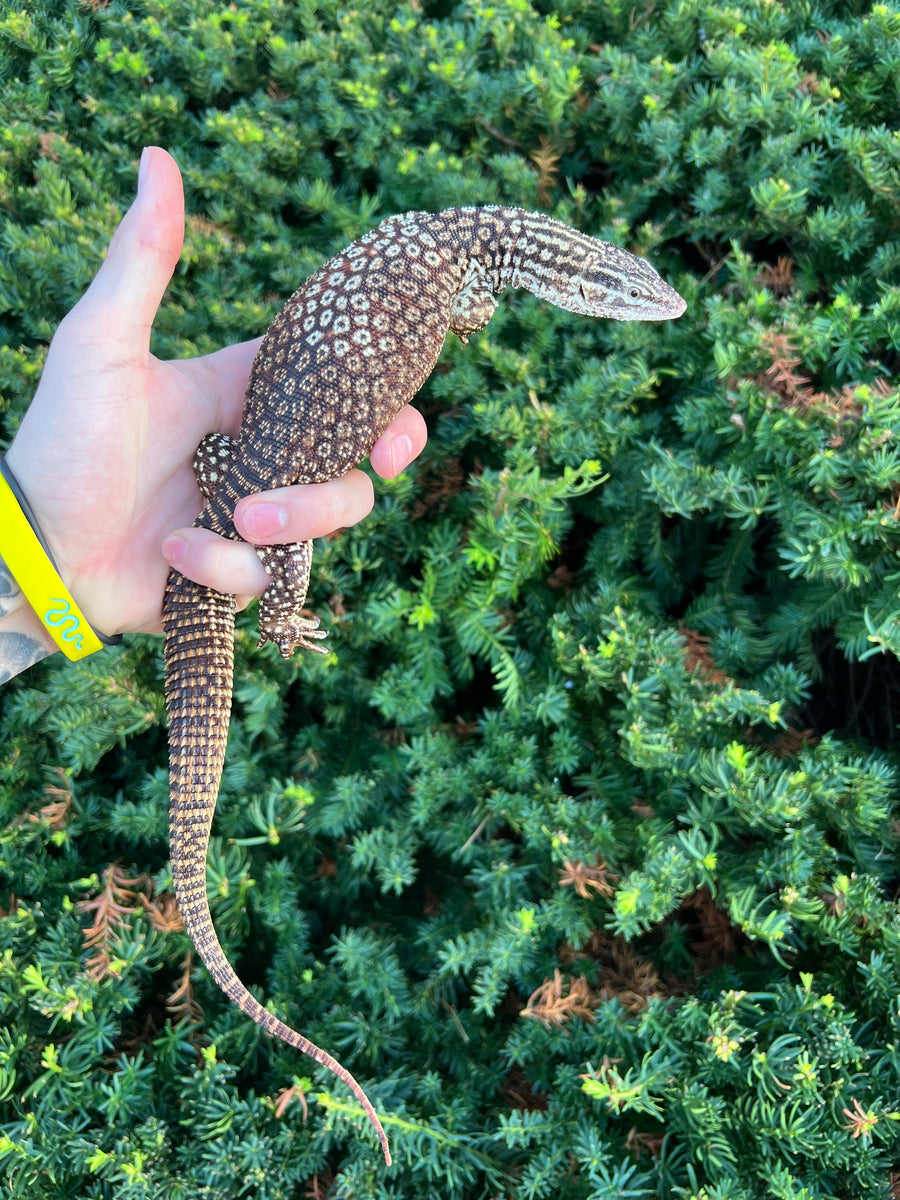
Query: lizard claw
{"x":301,"y":631}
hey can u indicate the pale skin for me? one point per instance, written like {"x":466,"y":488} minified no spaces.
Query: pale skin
{"x":104,"y":451}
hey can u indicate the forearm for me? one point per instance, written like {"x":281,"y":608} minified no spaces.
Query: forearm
{"x":23,"y":641}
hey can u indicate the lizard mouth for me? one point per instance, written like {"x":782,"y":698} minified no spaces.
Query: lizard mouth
{"x":675,"y":304}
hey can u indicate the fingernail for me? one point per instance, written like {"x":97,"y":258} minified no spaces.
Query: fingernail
{"x":263,"y":519}
{"x":401,"y":452}
{"x":174,"y":550}
{"x":143,"y":168}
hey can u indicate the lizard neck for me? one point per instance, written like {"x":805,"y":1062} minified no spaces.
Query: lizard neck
{"x":509,"y":244}
{"x":515,"y":248}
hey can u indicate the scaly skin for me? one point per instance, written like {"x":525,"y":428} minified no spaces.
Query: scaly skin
{"x":343,"y":356}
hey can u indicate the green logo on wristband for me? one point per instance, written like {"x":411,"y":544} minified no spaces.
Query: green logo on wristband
{"x":58,"y":617}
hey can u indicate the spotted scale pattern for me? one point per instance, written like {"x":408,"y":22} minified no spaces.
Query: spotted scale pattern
{"x":344,"y":355}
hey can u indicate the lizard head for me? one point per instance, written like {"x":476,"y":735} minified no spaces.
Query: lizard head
{"x":610,"y":282}
{"x":584,"y":275}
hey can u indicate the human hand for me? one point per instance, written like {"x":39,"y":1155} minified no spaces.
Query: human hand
{"x":104,"y":451}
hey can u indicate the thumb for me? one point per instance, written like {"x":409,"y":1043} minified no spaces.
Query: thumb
{"x":144,"y":250}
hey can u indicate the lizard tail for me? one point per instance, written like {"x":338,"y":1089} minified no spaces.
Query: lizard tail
{"x":199,"y":652}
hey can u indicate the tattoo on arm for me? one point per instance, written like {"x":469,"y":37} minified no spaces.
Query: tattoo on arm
{"x":11,"y":597}
{"x":22,"y":640}
{"x":18,"y":652}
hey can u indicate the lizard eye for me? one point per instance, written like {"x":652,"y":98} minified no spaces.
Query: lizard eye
{"x":634,"y":293}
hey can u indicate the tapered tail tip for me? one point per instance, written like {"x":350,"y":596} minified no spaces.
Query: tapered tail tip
{"x":385,"y":1145}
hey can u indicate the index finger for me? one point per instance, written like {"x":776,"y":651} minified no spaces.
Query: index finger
{"x":401,"y":443}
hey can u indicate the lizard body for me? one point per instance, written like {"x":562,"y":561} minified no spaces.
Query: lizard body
{"x":344,"y":355}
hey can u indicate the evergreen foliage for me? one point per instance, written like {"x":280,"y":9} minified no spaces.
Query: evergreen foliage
{"x":581,"y":848}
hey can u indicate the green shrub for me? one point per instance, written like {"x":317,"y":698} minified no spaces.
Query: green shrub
{"x":581,"y":850}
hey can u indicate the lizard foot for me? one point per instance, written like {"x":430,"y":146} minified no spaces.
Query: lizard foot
{"x":282,"y":617}
{"x":297,"y":633}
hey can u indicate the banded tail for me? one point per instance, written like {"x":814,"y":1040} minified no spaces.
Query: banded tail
{"x":199,"y":653}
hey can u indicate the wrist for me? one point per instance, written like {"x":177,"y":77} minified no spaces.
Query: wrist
{"x":30,"y":567}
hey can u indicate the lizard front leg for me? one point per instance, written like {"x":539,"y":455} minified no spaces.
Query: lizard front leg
{"x":474,"y":304}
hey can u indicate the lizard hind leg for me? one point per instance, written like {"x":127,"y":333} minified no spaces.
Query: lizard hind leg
{"x":282,"y":617}
{"x":210,"y":460}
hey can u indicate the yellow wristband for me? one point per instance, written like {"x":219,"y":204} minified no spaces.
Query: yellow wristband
{"x":32,"y":568}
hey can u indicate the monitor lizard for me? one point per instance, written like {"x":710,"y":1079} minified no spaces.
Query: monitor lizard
{"x":344,"y":355}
